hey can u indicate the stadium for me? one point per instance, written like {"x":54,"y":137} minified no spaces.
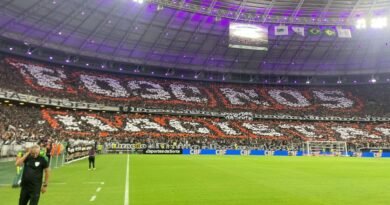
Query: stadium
{"x":195,"y":102}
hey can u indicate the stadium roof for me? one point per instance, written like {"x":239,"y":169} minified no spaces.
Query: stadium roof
{"x":194,"y":34}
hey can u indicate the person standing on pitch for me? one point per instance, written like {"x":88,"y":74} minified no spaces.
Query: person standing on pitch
{"x":91,"y":158}
{"x":34,"y":166}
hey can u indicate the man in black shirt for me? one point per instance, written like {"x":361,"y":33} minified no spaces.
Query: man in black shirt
{"x":91,"y":158}
{"x":48,"y":151}
{"x":34,"y":166}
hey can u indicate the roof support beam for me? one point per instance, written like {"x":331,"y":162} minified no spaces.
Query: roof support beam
{"x":295,"y":13}
{"x":326,"y":9}
{"x":239,"y":10}
{"x":60,"y":26}
{"x":26,"y":12}
{"x":99,"y":26}
{"x":353,"y":11}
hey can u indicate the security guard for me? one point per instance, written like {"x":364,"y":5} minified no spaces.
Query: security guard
{"x":34,"y":166}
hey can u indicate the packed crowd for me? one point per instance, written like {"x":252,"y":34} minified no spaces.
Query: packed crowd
{"x":237,"y":103}
{"x":19,"y":124}
{"x":42,"y":79}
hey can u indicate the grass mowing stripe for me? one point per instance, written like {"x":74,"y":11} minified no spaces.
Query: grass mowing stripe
{"x":218,"y":180}
{"x":126,"y":200}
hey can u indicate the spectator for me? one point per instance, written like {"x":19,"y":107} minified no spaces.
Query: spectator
{"x":34,"y":166}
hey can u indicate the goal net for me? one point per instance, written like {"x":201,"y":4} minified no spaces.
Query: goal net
{"x":333,"y":148}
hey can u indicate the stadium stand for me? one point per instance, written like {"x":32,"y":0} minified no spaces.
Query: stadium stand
{"x":42,"y":79}
{"x":21,"y":124}
{"x":227,"y":114}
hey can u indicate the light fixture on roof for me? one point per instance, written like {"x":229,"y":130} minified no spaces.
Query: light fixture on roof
{"x":137,"y":69}
{"x":139,"y":1}
{"x":160,"y":7}
{"x":339,"y":81}
{"x":361,"y":23}
{"x":30,"y":51}
{"x":372,"y":80}
{"x":11,"y":49}
{"x":378,"y":22}
{"x":197,"y":74}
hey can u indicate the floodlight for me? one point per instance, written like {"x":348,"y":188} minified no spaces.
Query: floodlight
{"x":361,"y":24}
{"x":379,"y":22}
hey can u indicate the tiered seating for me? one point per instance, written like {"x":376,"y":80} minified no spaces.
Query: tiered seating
{"x":112,"y":89}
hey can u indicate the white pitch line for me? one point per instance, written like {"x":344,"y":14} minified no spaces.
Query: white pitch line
{"x":58,"y":183}
{"x":93,"y":198}
{"x":98,"y":189}
{"x":5,"y":184}
{"x":76,"y":160}
{"x":93,"y":183}
{"x":126,"y":200}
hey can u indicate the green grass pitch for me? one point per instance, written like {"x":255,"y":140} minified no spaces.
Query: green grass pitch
{"x":214,"y":180}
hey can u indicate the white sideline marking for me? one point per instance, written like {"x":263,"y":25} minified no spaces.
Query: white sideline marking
{"x":93,"y":183}
{"x":58,"y":183}
{"x":126,"y":200}
{"x":55,"y":183}
{"x":93,"y":198}
{"x":98,"y":189}
{"x":76,"y":160}
{"x":5,"y":184}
